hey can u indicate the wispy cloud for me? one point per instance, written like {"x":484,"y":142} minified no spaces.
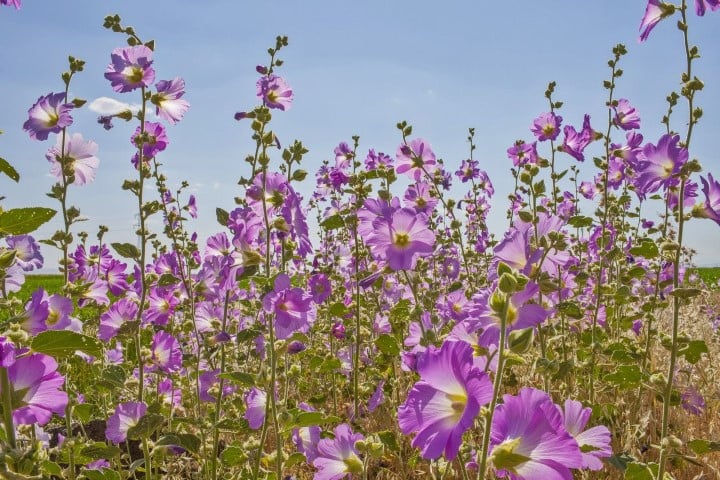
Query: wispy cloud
{"x":110,"y":106}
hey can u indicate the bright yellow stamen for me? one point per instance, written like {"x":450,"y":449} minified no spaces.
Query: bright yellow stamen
{"x":401,"y":240}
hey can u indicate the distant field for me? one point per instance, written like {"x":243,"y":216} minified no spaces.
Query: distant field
{"x":710,"y":275}
{"x":51,"y":283}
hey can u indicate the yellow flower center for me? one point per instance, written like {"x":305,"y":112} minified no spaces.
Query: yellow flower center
{"x":353,"y":464}
{"x":504,"y":457}
{"x":548,"y":129}
{"x":401,"y":240}
{"x":458,"y":401}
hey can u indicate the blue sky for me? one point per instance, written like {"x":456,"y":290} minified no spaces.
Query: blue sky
{"x":357,"y":68}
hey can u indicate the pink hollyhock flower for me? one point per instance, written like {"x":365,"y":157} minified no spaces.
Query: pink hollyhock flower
{"x":130,"y":68}
{"x":168,"y":100}
{"x":575,"y":142}
{"x":547,"y":126}
{"x":528,"y":440}
{"x":79,"y":161}
{"x":523,"y":153}
{"x":166,"y":352}
{"x":711,"y":208}
{"x":375,"y":160}
{"x":701,"y":6}
{"x":654,"y":12}
{"x":154,"y":142}
{"x":659,"y":165}
{"x":126,"y":416}
{"x":320,"y":287}
{"x":293,"y":309}
{"x":255,"y":401}
{"x":14,"y":3}
{"x":415,"y":159}
{"x":626,"y":116}
{"x":468,"y":170}
{"x":377,"y":398}
{"x":120,"y":312}
{"x":446,"y":400}
{"x":35,"y":385}
{"x":48,"y":115}
{"x":275,"y":92}
{"x":338,"y":457}
{"x":27,"y":251}
{"x":307,"y":438}
{"x":401,"y":239}
{"x":419,"y":197}
{"x":208,"y":380}
{"x":594,"y":442}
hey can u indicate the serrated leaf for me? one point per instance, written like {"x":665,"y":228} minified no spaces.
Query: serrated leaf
{"x":625,"y":376}
{"x":388,"y":345}
{"x":9,"y":170}
{"x":146,"y":426}
{"x":51,"y":468}
{"x":64,"y":343}
{"x":333,"y":222}
{"x":311,"y":419}
{"x":686,"y":292}
{"x":579,"y":221}
{"x":694,"y":350}
{"x":99,"y":450}
{"x":240,"y":378}
{"x":167,"y":279}
{"x":646,"y":249}
{"x":188,"y":441}
{"x":222,"y":216}
{"x":233,"y":456}
{"x":701,"y":447}
{"x":20,"y":221}
{"x":126,"y":250}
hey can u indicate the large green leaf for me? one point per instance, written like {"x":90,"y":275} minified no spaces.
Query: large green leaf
{"x":8,"y":170}
{"x":20,"y":221}
{"x":64,"y":343}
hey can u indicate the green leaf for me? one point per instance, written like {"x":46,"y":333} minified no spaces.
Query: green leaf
{"x":389,"y":440}
{"x":686,"y":292}
{"x":20,"y":221}
{"x":338,"y":309}
{"x":167,"y":279}
{"x":694,"y":350}
{"x":647,"y":249}
{"x":8,"y":170}
{"x":233,"y":456}
{"x":64,"y":343}
{"x":99,"y":450}
{"x":580,"y":221}
{"x":51,"y":468}
{"x":701,"y":447}
{"x":625,"y":376}
{"x":240,"y":378}
{"x":188,"y":441}
{"x":223,"y":217}
{"x":333,"y":222}
{"x":146,"y":426}
{"x":311,"y":419}
{"x":388,"y":345}
{"x":83,"y":412}
{"x":570,"y":309}
{"x":295,"y":459}
{"x":127,"y":250}
{"x":640,"y":471}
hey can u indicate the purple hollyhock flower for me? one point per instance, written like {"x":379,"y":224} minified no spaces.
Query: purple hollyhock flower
{"x":307,"y":438}
{"x":575,"y":142}
{"x":547,"y":126}
{"x":701,"y":6}
{"x":320,"y":287}
{"x":375,"y":160}
{"x":692,"y":401}
{"x":659,"y":165}
{"x":48,"y":115}
{"x":293,"y":214}
{"x":338,"y":457}
{"x":15,"y":3}
{"x":343,"y":155}
{"x":27,"y":251}
{"x":528,"y":440}
{"x":7,"y":352}
{"x":338,"y":331}
{"x":293,"y":309}
{"x":125,"y":417}
{"x":468,"y":170}
{"x":654,"y":12}
{"x":256,"y":401}
{"x":130,"y":68}
{"x":415,"y":157}
{"x":626,"y":116}
{"x":166,"y":352}
{"x":35,"y":384}
{"x":711,"y":208}
{"x":208,"y":380}
{"x":191,"y":207}
{"x":446,"y":400}
{"x":594,"y":443}
{"x":116,"y":278}
{"x":275,"y":92}
{"x":377,"y":398}
{"x":120,"y":312}
{"x":168,"y":100}
{"x":156,"y":141}
{"x":401,"y":239}
{"x":79,"y":159}
{"x":419,"y":197}
{"x":523,"y":153}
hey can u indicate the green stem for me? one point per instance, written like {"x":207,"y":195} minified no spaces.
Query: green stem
{"x":7,"y":407}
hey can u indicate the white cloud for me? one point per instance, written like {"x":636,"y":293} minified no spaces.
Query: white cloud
{"x":110,"y":106}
